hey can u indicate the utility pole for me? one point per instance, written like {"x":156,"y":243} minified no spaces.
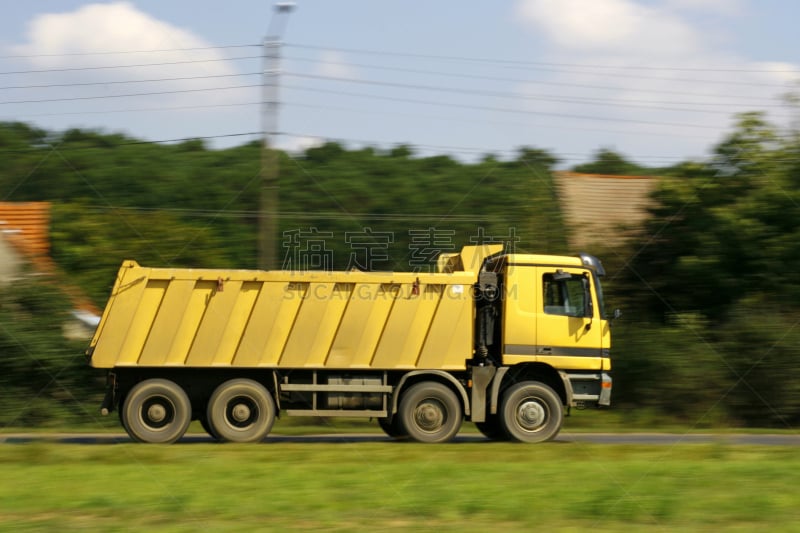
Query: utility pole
{"x":269,"y":203}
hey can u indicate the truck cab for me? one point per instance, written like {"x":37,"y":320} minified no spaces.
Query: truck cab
{"x":553,"y":312}
{"x":542,"y":321}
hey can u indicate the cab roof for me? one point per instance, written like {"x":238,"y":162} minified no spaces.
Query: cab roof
{"x":582,"y":260}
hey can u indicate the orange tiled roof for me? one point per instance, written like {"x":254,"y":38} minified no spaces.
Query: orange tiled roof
{"x":26,"y":225}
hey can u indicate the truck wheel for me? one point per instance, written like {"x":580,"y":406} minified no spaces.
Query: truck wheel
{"x":430,"y":412}
{"x":121,"y":414}
{"x":205,"y":425}
{"x":241,"y":410}
{"x":492,"y":428}
{"x":157,"y":411}
{"x":391,"y":426}
{"x":531,"y":412}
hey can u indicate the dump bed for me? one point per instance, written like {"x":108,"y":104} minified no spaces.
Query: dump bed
{"x":180,"y":317}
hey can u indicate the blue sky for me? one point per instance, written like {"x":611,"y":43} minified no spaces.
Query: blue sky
{"x":658,"y":80}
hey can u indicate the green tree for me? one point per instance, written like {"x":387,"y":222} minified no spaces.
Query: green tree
{"x":607,"y":161}
{"x":722,"y":246}
{"x":717,"y":236}
{"x":43,"y":379}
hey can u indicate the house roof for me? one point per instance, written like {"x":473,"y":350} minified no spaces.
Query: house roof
{"x":26,"y":226}
{"x":602,"y":208}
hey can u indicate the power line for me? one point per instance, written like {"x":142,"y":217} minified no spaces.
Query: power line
{"x":645,"y":104}
{"x":351,"y":110}
{"x":123,"y":82}
{"x":574,"y":99}
{"x":365,"y":142}
{"x":108,"y":67}
{"x":580,"y":100}
{"x":461,"y":149}
{"x":195,"y":138}
{"x":128,"y":95}
{"x":48,"y":147}
{"x":502,"y":109}
{"x":472,"y":149}
{"x":556,"y":67}
{"x":326,"y":215}
{"x":558,"y":98}
{"x":143,"y":109}
{"x":523,"y":80}
{"x":122,"y":52}
{"x":544,"y":97}
{"x":429,"y":117}
{"x":570,"y":67}
{"x":497,"y":61}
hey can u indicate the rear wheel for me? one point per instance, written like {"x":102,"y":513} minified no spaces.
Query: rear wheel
{"x":531,"y":412}
{"x":121,"y":414}
{"x":204,"y":423}
{"x":156,"y":411}
{"x":240,"y":410}
{"x":430,"y":412}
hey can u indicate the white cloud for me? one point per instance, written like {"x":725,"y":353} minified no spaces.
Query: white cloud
{"x":103,"y":28}
{"x":168,"y":87}
{"x":117,"y":34}
{"x":649,"y":67}
{"x":610,"y":26}
{"x":334,"y":65}
{"x":778,"y":72}
{"x":722,"y":7}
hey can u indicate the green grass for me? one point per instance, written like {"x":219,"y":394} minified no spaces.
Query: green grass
{"x":377,"y":486}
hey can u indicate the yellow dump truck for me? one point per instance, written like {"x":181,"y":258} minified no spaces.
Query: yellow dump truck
{"x":508,"y":341}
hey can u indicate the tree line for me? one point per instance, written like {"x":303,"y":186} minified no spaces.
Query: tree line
{"x":710,"y":329}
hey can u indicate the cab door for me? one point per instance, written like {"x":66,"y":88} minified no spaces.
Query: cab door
{"x":568,"y":325}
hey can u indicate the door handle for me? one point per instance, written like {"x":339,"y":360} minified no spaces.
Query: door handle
{"x":545,"y":350}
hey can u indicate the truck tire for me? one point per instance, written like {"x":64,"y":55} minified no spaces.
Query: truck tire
{"x":391,"y":426}
{"x":206,"y":427}
{"x":240,"y":410}
{"x":430,"y":412}
{"x":492,"y":428}
{"x":531,"y":412}
{"x":156,"y":411}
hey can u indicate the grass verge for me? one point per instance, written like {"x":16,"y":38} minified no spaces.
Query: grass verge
{"x":396,"y":487}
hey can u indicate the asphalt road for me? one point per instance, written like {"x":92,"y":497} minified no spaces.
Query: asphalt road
{"x":669,"y":439}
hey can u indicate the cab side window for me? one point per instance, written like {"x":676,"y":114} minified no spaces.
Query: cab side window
{"x":564,"y":295}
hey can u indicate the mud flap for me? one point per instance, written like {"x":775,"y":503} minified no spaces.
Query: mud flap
{"x":481,"y":377}
{"x":108,"y":400}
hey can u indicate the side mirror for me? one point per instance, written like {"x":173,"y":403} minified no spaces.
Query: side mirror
{"x":617,"y":314}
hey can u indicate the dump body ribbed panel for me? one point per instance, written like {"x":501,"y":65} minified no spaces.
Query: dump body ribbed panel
{"x":337,"y":320}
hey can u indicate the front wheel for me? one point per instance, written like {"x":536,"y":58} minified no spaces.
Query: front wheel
{"x":156,"y":411}
{"x":531,"y":412}
{"x":430,"y":412}
{"x":240,"y":410}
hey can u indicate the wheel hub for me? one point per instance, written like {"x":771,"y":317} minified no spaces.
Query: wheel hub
{"x":531,"y":415}
{"x":429,"y":416}
{"x":156,"y":413}
{"x":240,"y":412}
